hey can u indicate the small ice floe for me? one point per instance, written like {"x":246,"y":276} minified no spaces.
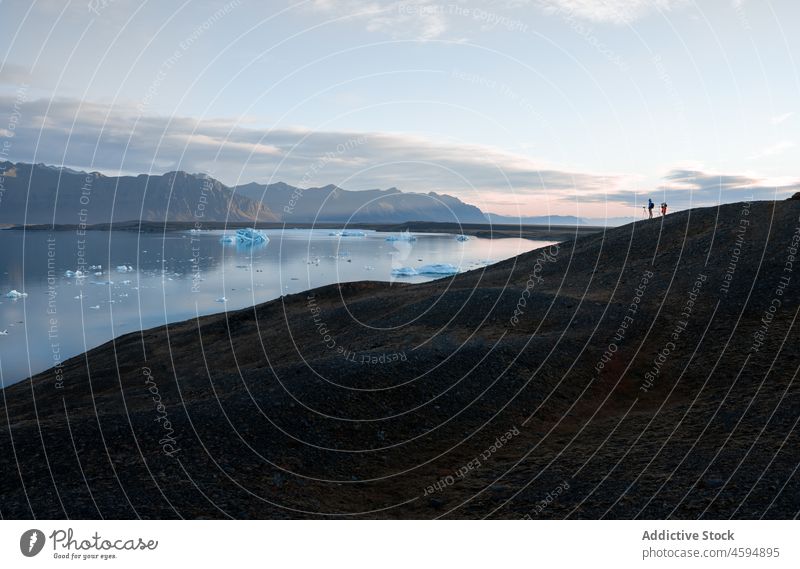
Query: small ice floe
{"x":99,"y":274}
{"x":462,"y":237}
{"x":348,"y":233}
{"x":124,"y":269}
{"x":249,"y":236}
{"x":222,"y":299}
{"x":77,"y":274}
{"x":404,"y":236}
{"x":102,"y":282}
{"x":4,"y":332}
{"x":125,"y":282}
{"x":95,"y":267}
{"x":227,"y":239}
{"x":369,"y":268}
{"x":16,"y":294}
{"x":95,"y":307}
{"x":442,"y":269}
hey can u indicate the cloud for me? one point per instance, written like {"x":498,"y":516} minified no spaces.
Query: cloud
{"x":403,"y":19}
{"x":95,"y":137}
{"x":773,"y":149}
{"x":618,"y":12}
{"x":114,"y":140}
{"x":426,"y":20}
{"x":683,"y":188}
{"x":778,"y":119}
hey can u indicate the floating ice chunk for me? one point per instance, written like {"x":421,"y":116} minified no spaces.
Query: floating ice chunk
{"x":249,"y":236}
{"x":95,"y":307}
{"x":103,"y":282}
{"x":98,"y":273}
{"x":76,"y":274}
{"x":95,"y":267}
{"x":442,"y":269}
{"x":404,"y":236}
{"x":124,"y":269}
{"x":404,"y":272}
{"x":126,"y":282}
{"x":227,"y":239}
{"x":348,"y":233}
{"x":4,"y":332}
{"x":462,"y":237}
{"x":16,"y":294}
{"x":222,"y":299}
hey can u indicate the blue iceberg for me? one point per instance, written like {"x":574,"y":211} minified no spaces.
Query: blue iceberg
{"x":250,"y":236}
{"x":404,"y":236}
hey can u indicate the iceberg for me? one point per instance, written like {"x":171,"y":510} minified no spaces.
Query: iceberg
{"x":348,"y":233}
{"x":440,"y":269}
{"x":16,"y":294}
{"x":404,"y":272}
{"x":250,"y":236}
{"x":462,"y":237}
{"x":404,"y":236}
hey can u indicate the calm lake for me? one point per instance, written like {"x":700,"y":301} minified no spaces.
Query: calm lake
{"x":134,"y":281}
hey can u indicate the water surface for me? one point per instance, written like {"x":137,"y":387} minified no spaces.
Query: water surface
{"x":139,"y":280}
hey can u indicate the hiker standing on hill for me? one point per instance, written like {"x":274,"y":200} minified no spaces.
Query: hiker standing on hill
{"x":650,"y":206}
{"x":663,"y":209}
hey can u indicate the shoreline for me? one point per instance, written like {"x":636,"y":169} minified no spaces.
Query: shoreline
{"x":484,"y":230}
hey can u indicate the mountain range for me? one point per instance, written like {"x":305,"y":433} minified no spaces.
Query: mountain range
{"x":333,"y":204}
{"x":43,"y":194}
{"x":37,"y":193}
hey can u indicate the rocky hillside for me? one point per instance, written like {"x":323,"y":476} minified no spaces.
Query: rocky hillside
{"x":648,"y":371}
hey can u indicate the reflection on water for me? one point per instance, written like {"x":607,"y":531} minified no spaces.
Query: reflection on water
{"x":135,"y":281}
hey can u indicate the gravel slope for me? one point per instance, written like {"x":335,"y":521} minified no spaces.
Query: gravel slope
{"x":532,"y":388}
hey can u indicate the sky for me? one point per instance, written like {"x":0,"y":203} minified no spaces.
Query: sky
{"x":531,"y":107}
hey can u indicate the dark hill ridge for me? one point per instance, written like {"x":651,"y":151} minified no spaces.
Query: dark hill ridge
{"x":519,"y":390}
